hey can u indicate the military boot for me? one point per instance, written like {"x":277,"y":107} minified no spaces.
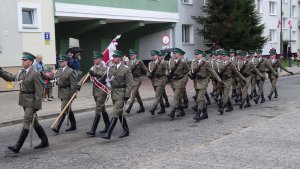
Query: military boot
{"x":181,"y":113}
{"x":125,"y":127}
{"x":207,"y":99}
{"x":229,"y":106}
{"x":270,"y":95}
{"x":172,"y":114}
{"x":242,"y":103}
{"x":248,"y":102}
{"x":16,"y":148}
{"x":195,"y":107}
{"x":167,"y":104}
{"x":111,"y":127}
{"x":94,"y":125}
{"x":276,"y":94}
{"x":162,"y":109}
{"x":256,"y":99}
{"x":59,"y":123}
{"x":204,"y":115}
{"x":142,"y":108}
{"x":106,"y":121}
{"x":72,"y":121}
{"x":42,"y":135}
{"x":262,"y":98}
{"x":152,"y":111}
{"x":129,"y":107}
{"x":221,"y":107}
{"x":197,"y":116}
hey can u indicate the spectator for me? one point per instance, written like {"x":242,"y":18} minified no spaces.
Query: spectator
{"x":74,"y":62}
{"x":298,"y":57}
{"x":38,"y":65}
{"x":289,"y":56}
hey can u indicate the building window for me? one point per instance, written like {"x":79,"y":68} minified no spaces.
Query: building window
{"x":294,"y":36}
{"x":29,"y":17}
{"x":187,"y":35}
{"x":272,"y":36}
{"x":187,"y":1}
{"x":272,"y":8}
{"x":259,"y":6}
{"x":284,"y":23}
{"x":294,"y":11}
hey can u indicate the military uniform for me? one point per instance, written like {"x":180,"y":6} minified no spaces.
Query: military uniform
{"x":30,"y":98}
{"x":273,"y":77}
{"x":201,"y":71}
{"x":66,"y":83}
{"x":178,"y":70}
{"x":137,"y":67}
{"x":158,"y":69}
{"x":120,"y":78}
{"x":227,"y":69}
{"x":261,"y":65}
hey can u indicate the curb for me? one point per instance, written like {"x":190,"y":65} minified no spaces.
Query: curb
{"x":49,"y":116}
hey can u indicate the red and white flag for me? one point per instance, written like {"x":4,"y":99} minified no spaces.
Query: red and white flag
{"x":279,"y":24}
{"x":110,"y":49}
{"x":290,"y":23}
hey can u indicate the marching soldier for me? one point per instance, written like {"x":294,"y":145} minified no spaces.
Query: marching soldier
{"x":100,"y":92}
{"x":120,"y":78}
{"x":227,"y":69}
{"x":136,"y":67}
{"x":253,"y":60}
{"x":273,"y":78}
{"x":234,"y":61}
{"x":157,"y":69}
{"x":177,"y":69}
{"x":66,"y":83}
{"x":30,"y":98}
{"x":246,"y":69}
{"x":200,"y":72}
{"x":262,"y":64}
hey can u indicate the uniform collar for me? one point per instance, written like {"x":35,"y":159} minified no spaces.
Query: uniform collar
{"x":118,"y":65}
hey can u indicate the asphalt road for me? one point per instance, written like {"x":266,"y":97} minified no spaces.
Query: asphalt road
{"x":263,"y":136}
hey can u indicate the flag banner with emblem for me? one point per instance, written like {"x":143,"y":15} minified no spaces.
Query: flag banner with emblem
{"x":290,"y":23}
{"x":110,"y":49}
{"x":100,"y":85}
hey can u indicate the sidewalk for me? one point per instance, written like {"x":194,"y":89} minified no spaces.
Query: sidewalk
{"x":11,"y":113}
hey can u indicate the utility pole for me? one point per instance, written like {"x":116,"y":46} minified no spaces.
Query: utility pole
{"x":281,"y":52}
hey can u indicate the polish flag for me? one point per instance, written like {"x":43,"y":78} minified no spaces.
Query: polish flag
{"x":290,"y":23}
{"x":279,"y":24}
{"x":110,"y":49}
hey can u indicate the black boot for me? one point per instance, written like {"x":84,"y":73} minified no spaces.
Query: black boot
{"x":181,"y":113}
{"x":248,"y":102}
{"x":59,"y":123}
{"x":152,"y":111}
{"x":72,"y":121}
{"x":142,"y":108}
{"x":16,"y":148}
{"x":195,"y":98}
{"x":162,"y":109}
{"x":255,"y":93}
{"x":172,"y":114}
{"x":197,"y":116}
{"x":262,"y":98}
{"x":94,"y":125}
{"x":125,"y":127}
{"x":229,"y":107}
{"x":195,"y":108}
{"x":167,"y":104}
{"x":106,"y":121}
{"x":256,"y":99}
{"x":270,"y":95}
{"x":237,"y":99}
{"x":233,"y":94}
{"x":276,"y":94}
{"x":207,"y":99}
{"x":111,"y":127}
{"x":221,"y":107}
{"x":129,"y":107}
{"x":203,"y":115}
{"x":42,"y":135}
{"x":242,"y":103}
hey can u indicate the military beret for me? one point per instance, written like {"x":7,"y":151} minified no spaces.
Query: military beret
{"x":161,"y":53}
{"x":225,"y":53}
{"x":133,"y":52}
{"x":239,"y":52}
{"x":154,"y":52}
{"x":118,"y":53}
{"x":28,"y":56}
{"x":97,"y":55}
{"x":198,"y":51}
{"x":63,"y":58}
{"x":231,"y":51}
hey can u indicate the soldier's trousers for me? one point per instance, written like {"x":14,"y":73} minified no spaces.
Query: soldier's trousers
{"x":226,"y":88}
{"x":178,"y":95}
{"x":117,"y":108}
{"x":158,"y":95}
{"x":253,"y":82}
{"x":135,"y":94}
{"x":201,"y":100}
{"x":245,"y":88}
{"x":69,"y":111}
{"x":273,"y":84}
{"x":100,"y":104}
{"x":28,"y":118}
{"x":214,"y":83}
{"x":260,"y":85}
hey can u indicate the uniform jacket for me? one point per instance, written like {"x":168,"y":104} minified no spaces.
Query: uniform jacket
{"x":66,"y":82}
{"x":180,"y":73}
{"x":159,"y":78}
{"x":247,"y":67}
{"x":275,"y":65}
{"x":100,"y":72}
{"x":227,"y":71}
{"x":262,"y":64}
{"x":136,"y":67}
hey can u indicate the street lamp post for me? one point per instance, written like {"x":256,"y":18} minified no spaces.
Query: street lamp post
{"x":281,"y":52}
